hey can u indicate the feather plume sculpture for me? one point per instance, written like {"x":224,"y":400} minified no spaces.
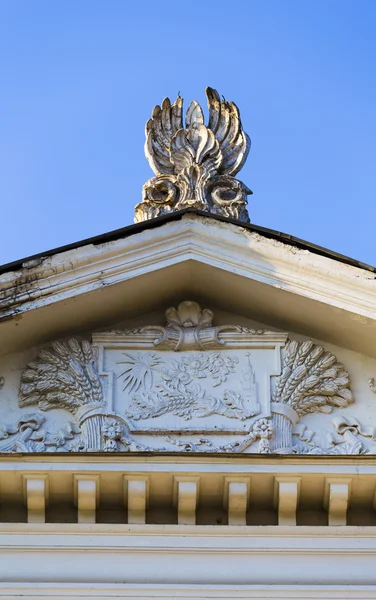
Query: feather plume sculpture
{"x":195,"y":165}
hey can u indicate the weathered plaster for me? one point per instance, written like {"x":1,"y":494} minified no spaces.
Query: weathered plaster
{"x":221,"y":264}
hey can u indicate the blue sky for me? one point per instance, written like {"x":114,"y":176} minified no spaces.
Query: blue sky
{"x":80,"y":78}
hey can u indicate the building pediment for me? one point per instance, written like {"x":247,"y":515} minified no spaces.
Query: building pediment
{"x":106,"y":347}
{"x":188,"y":381}
{"x":186,"y":403}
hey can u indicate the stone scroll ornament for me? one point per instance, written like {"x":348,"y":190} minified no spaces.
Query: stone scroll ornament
{"x":195,"y":164}
{"x":65,"y":376}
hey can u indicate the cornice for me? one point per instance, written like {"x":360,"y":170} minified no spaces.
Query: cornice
{"x":103,"y":591}
{"x":241,"y":537}
{"x":67,"y":557}
{"x":167,"y":463}
{"x":223,"y":246}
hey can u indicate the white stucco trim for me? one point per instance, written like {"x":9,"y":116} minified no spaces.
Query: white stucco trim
{"x":223,"y":246}
{"x":184,"y":555}
{"x":100,"y":591}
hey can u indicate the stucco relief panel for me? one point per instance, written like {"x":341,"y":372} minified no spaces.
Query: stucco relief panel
{"x":187,"y":385}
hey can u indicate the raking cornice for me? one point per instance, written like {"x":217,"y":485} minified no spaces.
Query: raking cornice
{"x":211,"y":243}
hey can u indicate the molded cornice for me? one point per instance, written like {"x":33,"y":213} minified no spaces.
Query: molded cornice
{"x":212,"y":245}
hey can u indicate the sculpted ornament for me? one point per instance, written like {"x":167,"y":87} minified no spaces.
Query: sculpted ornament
{"x":195,"y":164}
{"x":179,"y":391}
{"x":27,"y":435}
{"x":347,"y":439}
{"x":65,"y":376}
{"x":312,"y":380}
{"x":188,"y":386}
{"x":187,"y":328}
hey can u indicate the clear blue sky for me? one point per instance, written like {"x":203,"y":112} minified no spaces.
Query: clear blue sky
{"x":79,"y":78}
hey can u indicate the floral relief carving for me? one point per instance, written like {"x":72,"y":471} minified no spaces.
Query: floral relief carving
{"x":179,"y":391}
{"x":189,"y":386}
{"x":116,"y":437}
{"x":261,"y":430}
{"x":348,"y":438}
{"x":27,"y":434}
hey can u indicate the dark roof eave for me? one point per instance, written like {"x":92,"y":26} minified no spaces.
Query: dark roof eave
{"x":175,"y":216}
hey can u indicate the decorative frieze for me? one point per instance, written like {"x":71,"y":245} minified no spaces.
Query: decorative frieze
{"x":186,"y":386}
{"x":29,"y":434}
{"x":187,"y":490}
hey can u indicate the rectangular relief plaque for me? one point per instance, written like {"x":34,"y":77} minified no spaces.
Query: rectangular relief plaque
{"x":190,"y":384}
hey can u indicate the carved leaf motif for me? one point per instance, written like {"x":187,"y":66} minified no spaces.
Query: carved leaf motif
{"x":189,"y":314}
{"x":27,"y":435}
{"x":63,"y":376}
{"x":224,"y":121}
{"x":160,"y":130}
{"x":312,"y":380}
{"x":182,"y":153}
{"x":195,"y":159}
{"x":206,"y":144}
{"x":138,"y":370}
{"x":169,"y":147}
{"x":180,"y":394}
{"x":194,"y":116}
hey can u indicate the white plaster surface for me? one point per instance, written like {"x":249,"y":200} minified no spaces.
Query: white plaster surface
{"x":319,"y":427}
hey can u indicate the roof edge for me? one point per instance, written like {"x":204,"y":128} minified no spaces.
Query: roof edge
{"x":175,"y":216}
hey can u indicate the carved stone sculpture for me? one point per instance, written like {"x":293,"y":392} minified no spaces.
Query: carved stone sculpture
{"x":189,"y":328}
{"x":195,"y":165}
{"x":27,"y":435}
{"x":65,"y":376}
{"x":312,"y":380}
{"x":187,"y":386}
{"x":179,"y":391}
{"x":348,"y":438}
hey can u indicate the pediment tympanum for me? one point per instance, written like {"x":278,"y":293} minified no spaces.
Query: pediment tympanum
{"x":188,"y":385}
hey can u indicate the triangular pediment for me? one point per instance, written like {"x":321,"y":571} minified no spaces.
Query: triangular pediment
{"x":188,"y":379}
{"x":195,"y":336}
